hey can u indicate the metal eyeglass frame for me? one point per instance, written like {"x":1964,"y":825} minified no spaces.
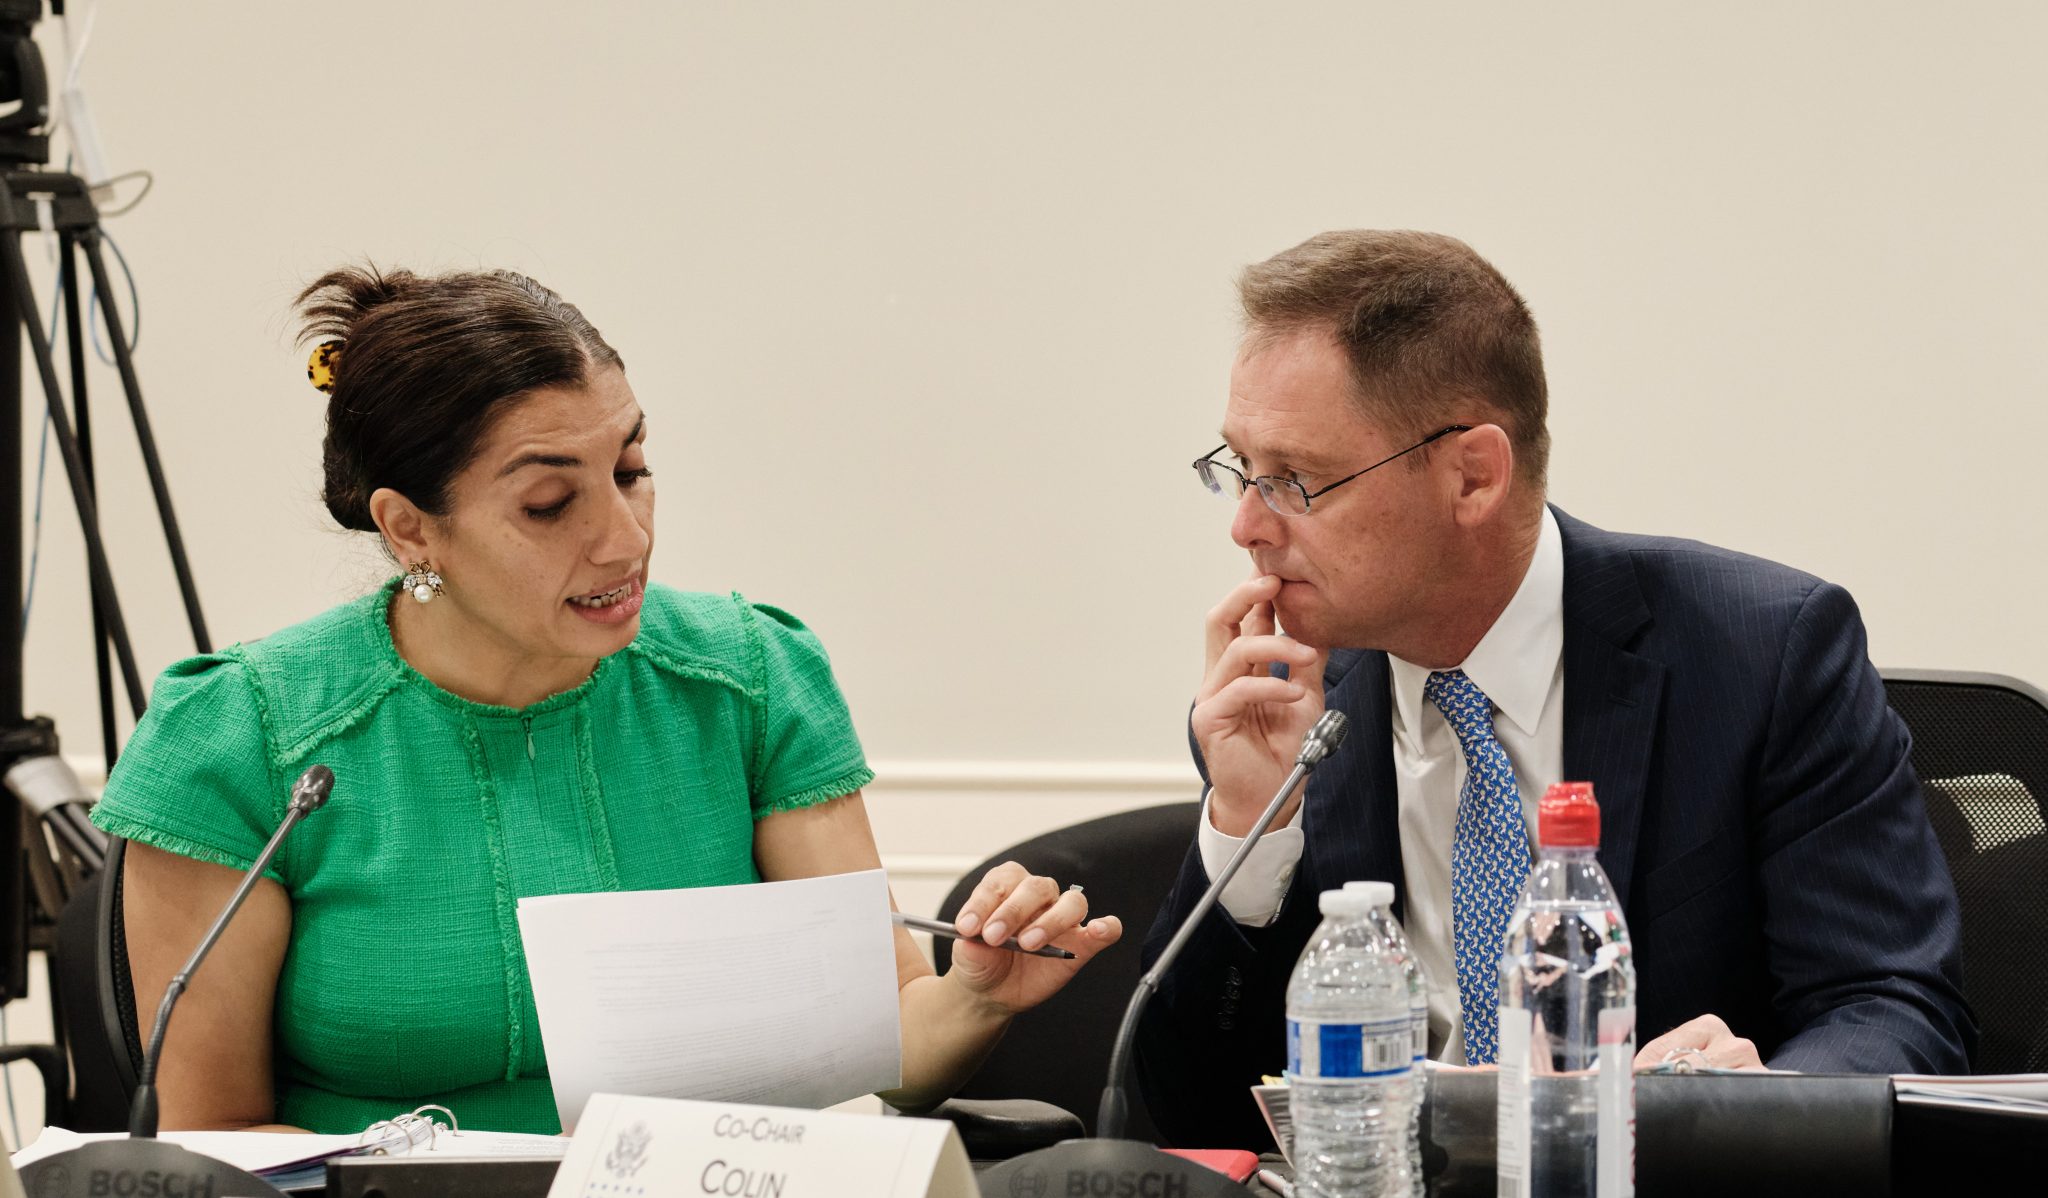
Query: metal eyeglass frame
{"x":1269,"y":484}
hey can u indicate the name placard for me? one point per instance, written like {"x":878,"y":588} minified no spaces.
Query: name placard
{"x":670,"y":1147}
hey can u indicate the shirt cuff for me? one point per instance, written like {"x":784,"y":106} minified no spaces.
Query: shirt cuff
{"x":1259,"y":888}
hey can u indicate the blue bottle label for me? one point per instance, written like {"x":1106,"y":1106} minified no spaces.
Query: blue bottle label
{"x":1337,"y":1051}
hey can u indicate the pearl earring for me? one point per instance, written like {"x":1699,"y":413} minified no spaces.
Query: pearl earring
{"x":422,"y":582}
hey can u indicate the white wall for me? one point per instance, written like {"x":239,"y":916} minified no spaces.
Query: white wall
{"x":930,"y":305}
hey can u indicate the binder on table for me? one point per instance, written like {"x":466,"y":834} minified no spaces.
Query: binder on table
{"x":416,"y":1134}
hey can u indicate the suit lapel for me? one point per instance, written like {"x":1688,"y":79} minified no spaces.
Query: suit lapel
{"x":1351,"y":821}
{"x":1611,"y":694}
{"x":1612,"y":699}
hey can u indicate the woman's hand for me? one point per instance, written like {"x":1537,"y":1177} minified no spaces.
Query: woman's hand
{"x":1013,"y":902}
{"x":949,"y":1023}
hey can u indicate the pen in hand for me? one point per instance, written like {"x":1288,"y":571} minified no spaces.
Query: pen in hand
{"x":941,"y":928}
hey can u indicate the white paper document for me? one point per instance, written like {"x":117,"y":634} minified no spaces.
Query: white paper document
{"x":250,"y":1151}
{"x":782,"y":993}
{"x":286,"y":1158}
{"x":2016,"y":1093}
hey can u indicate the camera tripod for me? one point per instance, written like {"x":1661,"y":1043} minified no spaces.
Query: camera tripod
{"x":43,"y":805}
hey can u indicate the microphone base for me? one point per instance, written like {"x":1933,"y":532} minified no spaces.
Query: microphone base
{"x":109,"y":1167}
{"x":1105,"y":1167}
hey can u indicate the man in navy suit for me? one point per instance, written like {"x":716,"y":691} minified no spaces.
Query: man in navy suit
{"x":1787,"y":902}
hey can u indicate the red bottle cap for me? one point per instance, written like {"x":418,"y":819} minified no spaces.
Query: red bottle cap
{"x":1568,"y":817}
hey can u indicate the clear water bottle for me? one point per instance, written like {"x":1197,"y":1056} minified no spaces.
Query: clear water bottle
{"x":1350,"y":1058}
{"x":1567,"y":1019}
{"x":1382,"y":896}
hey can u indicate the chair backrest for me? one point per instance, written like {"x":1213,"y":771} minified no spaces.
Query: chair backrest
{"x":96,"y":1001}
{"x":1058,"y":1052}
{"x":1980,"y":746}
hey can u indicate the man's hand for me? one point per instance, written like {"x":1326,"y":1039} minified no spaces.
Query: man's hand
{"x":1248,"y":723}
{"x":1707,"y":1042}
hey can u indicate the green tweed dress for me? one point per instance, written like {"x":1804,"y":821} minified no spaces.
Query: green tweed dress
{"x":405,"y":982}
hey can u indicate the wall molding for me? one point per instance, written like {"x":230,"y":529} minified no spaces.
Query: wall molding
{"x":940,"y":867}
{"x":935,"y":820}
{"x":913,"y":774}
{"x":932,"y":774}
{"x":91,"y":769}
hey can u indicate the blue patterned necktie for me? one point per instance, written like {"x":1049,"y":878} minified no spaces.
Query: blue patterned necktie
{"x":1489,"y":858}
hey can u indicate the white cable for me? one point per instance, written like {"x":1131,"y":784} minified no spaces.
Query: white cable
{"x":75,"y":59}
{"x":13,"y":1120}
{"x":35,"y":549}
{"x":46,"y":222}
{"x":148,"y":181}
{"x":70,"y":64}
{"x":71,"y":114}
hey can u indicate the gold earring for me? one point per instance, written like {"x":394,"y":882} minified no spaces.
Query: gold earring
{"x":422,"y":582}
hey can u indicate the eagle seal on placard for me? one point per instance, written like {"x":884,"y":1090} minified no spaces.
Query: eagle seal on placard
{"x":629,"y":1151}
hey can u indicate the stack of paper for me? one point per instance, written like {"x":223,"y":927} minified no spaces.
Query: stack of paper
{"x":779,"y":993}
{"x":297,"y":1161}
{"x":2019,"y":1093}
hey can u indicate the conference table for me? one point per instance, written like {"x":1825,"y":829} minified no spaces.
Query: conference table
{"x":1755,"y":1135}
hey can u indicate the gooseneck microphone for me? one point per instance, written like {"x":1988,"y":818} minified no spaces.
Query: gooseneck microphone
{"x":1108,"y":1163}
{"x":1321,"y":741}
{"x":141,"y":1163}
{"x":309,"y":794}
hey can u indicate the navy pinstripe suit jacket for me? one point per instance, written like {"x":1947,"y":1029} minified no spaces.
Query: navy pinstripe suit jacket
{"x":1760,"y":821}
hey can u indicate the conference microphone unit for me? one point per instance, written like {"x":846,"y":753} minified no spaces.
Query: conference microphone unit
{"x":1107,"y":1163}
{"x":143,"y":1164}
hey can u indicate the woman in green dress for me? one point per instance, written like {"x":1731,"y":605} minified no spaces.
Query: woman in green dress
{"x":522,"y":713}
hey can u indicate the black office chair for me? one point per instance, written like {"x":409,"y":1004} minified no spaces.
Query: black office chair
{"x":96,"y":1001}
{"x":1980,"y":746}
{"x":1059,"y":1051}
{"x":49,"y":1062}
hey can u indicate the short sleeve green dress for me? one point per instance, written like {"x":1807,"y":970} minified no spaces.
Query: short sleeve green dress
{"x":404,"y":982}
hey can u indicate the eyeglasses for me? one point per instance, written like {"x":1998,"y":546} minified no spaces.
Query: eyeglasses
{"x":1284,"y":495}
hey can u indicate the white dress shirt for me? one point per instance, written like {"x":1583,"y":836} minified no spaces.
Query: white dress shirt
{"x":1519,"y":664}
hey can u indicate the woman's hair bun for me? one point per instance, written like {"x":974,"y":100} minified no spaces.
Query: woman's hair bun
{"x":336,"y":302}
{"x":423,"y":365}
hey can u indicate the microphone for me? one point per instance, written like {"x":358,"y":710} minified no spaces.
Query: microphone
{"x":309,"y":794}
{"x":1128,"y":1166}
{"x":142,"y":1163}
{"x":1322,"y":740}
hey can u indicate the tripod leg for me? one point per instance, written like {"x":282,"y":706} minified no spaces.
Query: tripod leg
{"x":12,"y":318}
{"x":15,"y":912}
{"x":74,"y":336}
{"x":74,"y":467}
{"x":132,"y":386}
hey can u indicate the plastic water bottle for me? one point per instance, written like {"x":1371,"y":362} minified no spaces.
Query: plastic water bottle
{"x":1350,"y":1058}
{"x":1382,"y":897}
{"x":1567,"y":1019}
